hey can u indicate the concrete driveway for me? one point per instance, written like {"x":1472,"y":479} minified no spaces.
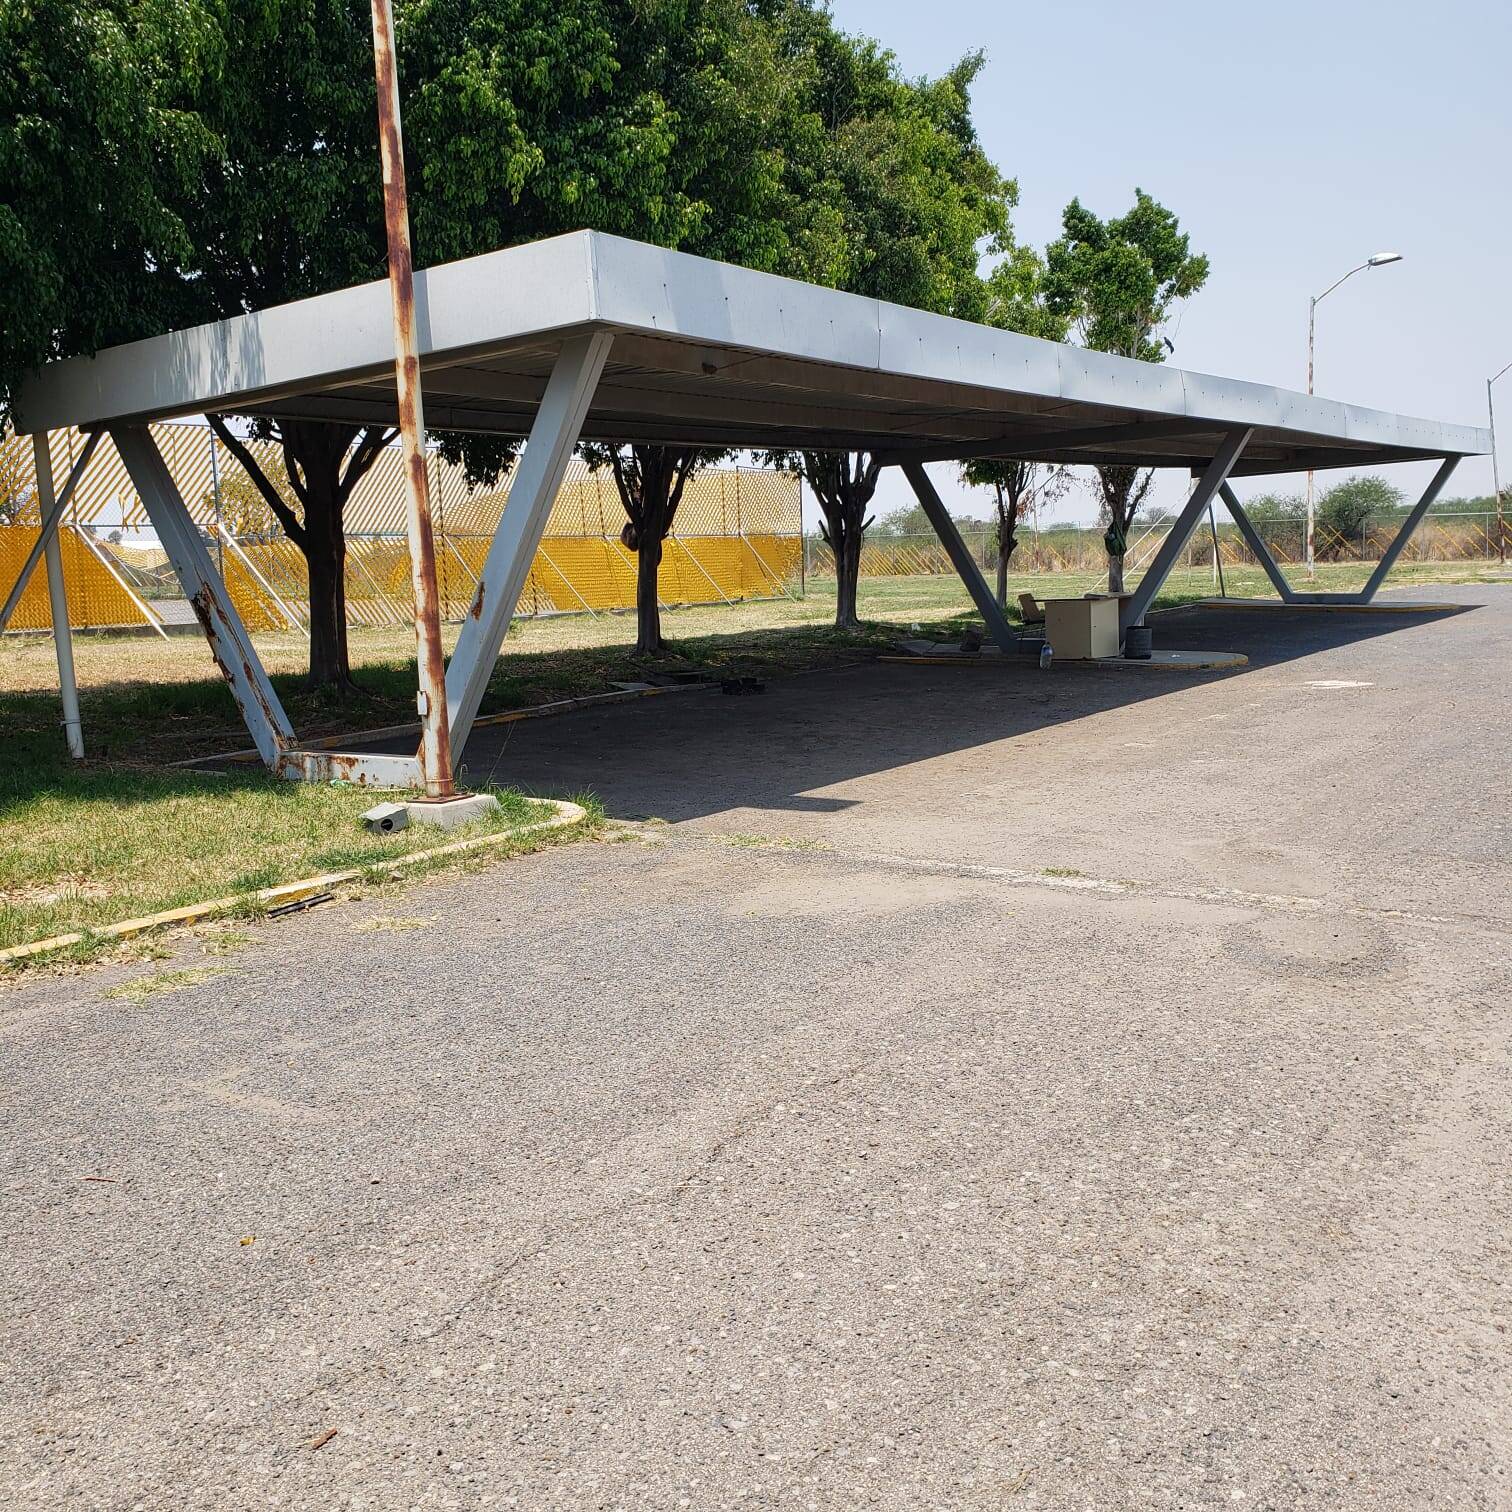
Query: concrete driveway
{"x":989,"y":1089}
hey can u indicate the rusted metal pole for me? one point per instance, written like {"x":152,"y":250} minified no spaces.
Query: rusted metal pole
{"x":435,"y":736}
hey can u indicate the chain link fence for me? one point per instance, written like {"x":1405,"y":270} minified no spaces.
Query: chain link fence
{"x":1446,"y":537}
{"x":738,"y":537}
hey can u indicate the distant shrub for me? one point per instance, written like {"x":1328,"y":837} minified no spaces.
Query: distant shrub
{"x":1348,"y":507}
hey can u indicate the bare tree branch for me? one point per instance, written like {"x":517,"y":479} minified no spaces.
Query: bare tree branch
{"x":271,"y":496}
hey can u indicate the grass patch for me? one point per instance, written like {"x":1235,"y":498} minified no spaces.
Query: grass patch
{"x":771,"y":842}
{"x":225,"y":942}
{"x":86,"y":847}
{"x":139,"y":989}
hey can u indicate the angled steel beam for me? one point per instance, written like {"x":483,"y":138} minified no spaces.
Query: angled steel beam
{"x":1133,"y":609}
{"x":1410,"y":524}
{"x":1388,"y":560}
{"x":229,"y":642}
{"x":1029,"y":442}
{"x":1256,"y":544}
{"x":51,"y":514}
{"x":533,"y":490}
{"x":960,"y":556}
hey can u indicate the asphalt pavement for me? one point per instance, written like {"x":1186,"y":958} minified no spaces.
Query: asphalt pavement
{"x":955,"y":1088}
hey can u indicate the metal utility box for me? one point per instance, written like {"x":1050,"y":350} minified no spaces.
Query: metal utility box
{"x":1082,"y":629}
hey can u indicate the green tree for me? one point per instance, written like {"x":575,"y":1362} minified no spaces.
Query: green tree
{"x":897,"y":198}
{"x":523,"y":118}
{"x":1347,"y":509}
{"x":100,"y":143}
{"x":1016,"y":302}
{"x":1116,"y":283}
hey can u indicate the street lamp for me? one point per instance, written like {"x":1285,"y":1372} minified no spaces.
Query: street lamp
{"x":1501,"y":532}
{"x":1379,"y":260}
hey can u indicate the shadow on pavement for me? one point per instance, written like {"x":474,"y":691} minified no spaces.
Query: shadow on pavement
{"x":700,"y":753}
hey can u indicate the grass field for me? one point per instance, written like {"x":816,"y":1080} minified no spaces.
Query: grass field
{"x":122,"y":834}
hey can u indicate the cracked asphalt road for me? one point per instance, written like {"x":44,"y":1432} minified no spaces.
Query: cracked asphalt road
{"x":906,"y":1124}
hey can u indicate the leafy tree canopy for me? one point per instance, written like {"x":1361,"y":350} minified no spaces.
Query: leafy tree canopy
{"x":1115,"y":282}
{"x":100,"y":147}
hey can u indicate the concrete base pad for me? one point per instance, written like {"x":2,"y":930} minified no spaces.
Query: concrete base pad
{"x":1174,"y":661}
{"x":452,"y":813}
{"x":1380,"y":606}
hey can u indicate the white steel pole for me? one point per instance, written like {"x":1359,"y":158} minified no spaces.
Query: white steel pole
{"x":1307,"y":547}
{"x":1378,"y":260}
{"x":1501,"y":525}
{"x":57,"y":594}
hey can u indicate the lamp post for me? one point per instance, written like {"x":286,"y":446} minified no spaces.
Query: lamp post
{"x":1379,"y":260}
{"x":1501,"y":529}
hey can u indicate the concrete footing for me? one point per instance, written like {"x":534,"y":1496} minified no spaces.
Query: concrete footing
{"x":452,"y":813}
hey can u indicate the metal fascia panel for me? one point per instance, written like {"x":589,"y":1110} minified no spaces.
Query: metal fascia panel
{"x":318,"y":342}
{"x":653,"y":290}
{"x":916,"y":344}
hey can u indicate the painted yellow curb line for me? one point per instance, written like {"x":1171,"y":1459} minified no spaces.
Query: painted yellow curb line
{"x":566,"y":815}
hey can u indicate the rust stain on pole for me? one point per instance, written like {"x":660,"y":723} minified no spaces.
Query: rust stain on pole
{"x":435,"y":736}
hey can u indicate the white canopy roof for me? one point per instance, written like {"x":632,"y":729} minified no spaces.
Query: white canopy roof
{"x":712,"y":354}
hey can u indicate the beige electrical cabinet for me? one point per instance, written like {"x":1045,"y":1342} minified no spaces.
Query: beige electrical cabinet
{"x":1082,"y":629}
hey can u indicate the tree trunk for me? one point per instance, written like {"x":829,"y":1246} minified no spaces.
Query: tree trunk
{"x":1005,"y":550}
{"x":322,"y":464}
{"x":325,"y":558}
{"x":847,"y":577}
{"x":648,"y":636}
{"x":1115,"y":574}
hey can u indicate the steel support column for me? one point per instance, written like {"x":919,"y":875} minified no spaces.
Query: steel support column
{"x":1134,"y":608}
{"x":1289,"y":595}
{"x":1256,"y":544}
{"x":961,"y":558}
{"x":50,"y":510}
{"x":57,"y":595}
{"x":532,"y":491}
{"x":1410,"y":524}
{"x":229,"y":642}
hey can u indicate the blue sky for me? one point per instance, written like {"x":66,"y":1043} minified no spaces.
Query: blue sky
{"x":1293,"y":140}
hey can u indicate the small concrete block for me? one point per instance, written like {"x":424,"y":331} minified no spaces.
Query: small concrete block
{"x":452,"y":813}
{"x":387,"y":818}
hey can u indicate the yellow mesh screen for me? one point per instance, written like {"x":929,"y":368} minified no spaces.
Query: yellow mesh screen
{"x":95,"y":597}
{"x":737,"y":535}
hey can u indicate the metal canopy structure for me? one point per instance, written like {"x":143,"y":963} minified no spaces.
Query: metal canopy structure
{"x":593,"y":337}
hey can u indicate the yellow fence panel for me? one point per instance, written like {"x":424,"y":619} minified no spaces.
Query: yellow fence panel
{"x":738,"y":536}
{"x":95,"y":597}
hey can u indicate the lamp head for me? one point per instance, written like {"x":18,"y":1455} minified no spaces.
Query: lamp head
{"x":1382,"y":258}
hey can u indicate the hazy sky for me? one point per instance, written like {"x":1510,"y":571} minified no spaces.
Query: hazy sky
{"x":1293,"y":140}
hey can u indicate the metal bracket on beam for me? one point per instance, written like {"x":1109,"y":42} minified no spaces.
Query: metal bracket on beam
{"x":960,"y":556}
{"x":533,"y":490}
{"x":229,"y":642}
{"x":1134,"y":608}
